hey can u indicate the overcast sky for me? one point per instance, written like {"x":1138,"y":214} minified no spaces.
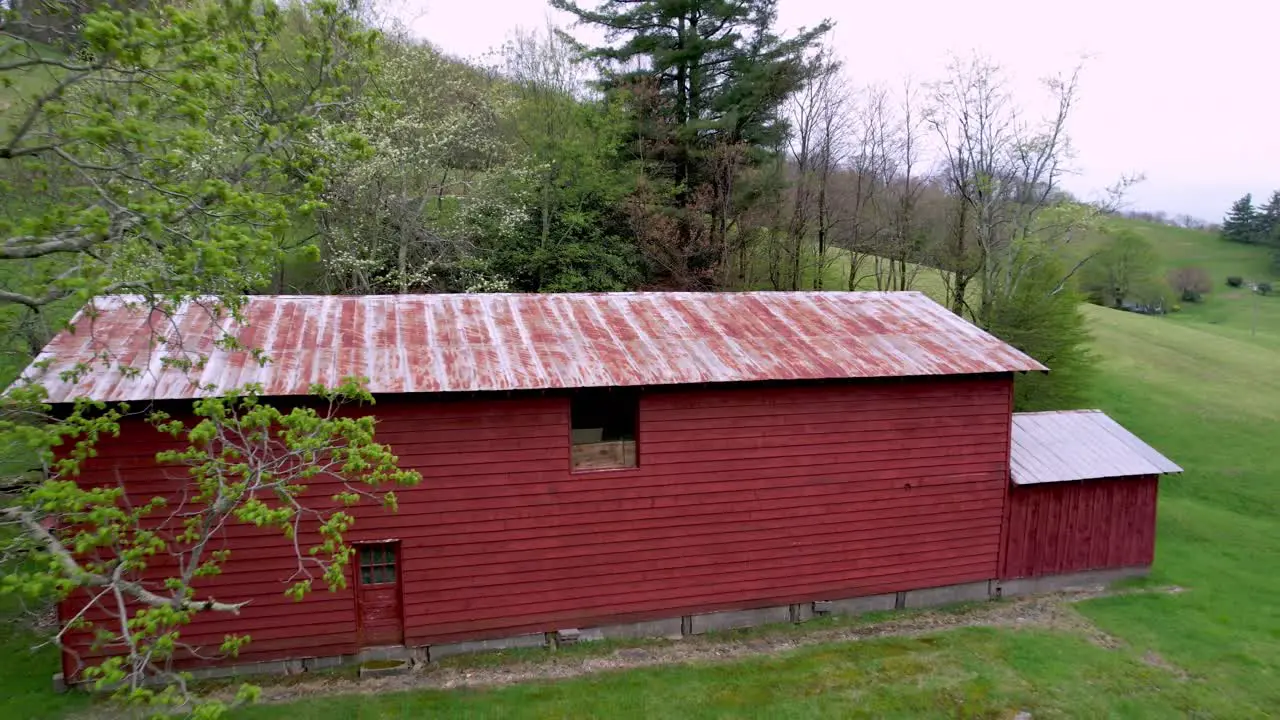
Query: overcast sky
{"x":1183,"y":93}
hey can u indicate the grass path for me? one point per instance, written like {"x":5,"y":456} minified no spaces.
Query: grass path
{"x":902,"y":661}
{"x":1051,"y":613}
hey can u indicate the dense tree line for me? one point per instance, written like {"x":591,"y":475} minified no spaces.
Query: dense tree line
{"x":1252,"y":225}
{"x":699,"y":152}
{"x":1160,"y":217}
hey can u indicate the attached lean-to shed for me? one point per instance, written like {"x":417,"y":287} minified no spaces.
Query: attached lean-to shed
{"x":1083,"y":496}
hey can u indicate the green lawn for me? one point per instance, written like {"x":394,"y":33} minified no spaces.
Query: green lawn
{"x":26,"y":686}
{"x":1198,"y":385}
{"x":973,"y":673}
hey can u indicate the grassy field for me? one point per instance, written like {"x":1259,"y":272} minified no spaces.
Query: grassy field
{"x":1199,"y":385}
{"x":1234,"y":312}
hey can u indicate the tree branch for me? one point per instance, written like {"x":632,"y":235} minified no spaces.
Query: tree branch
{"x":74,"y":571}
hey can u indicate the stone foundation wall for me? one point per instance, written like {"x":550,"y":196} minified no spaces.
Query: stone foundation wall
{"x":688,"y":625}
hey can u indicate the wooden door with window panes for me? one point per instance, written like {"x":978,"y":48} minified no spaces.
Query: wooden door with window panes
{"x":378,"y":594}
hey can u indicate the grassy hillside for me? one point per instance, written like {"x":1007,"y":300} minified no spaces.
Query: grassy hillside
{"x":1211,"y":401}
{"x":1233,"y":312}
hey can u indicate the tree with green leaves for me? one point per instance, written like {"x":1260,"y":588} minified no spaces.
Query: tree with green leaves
{"x":172,"y":157}
{"x":1126,"y":268}
{"x":1242,"y":222}
{"x":129,"y":572}
{"x":1042,"y":318}
{"x":569,"y":170}
{"x":393,"y":217}
{"x":708,"y":79}
{"x":175,"y":152}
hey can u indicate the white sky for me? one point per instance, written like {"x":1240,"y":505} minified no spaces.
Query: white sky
{"x":1184,"y":93}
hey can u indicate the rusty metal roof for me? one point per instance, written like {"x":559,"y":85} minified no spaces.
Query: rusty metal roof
{"x":476,"y":342}
{"x":1078,"y":445}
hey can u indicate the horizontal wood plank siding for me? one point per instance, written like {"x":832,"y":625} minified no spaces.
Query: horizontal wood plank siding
{"x":1057,"y":528}
{"x":742,"y":497}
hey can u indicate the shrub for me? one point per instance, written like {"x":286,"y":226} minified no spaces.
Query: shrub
{"x":1190,"y":282}
{"x":1264,"y":288}
{"x":1235,"y":281}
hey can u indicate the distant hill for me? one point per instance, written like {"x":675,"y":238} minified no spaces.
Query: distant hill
{"x":1227,"y":311}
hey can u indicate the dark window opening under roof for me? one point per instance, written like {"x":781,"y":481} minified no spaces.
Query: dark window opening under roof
{"x":603,"y":428}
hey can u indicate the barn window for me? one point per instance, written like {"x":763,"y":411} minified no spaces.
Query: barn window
{"x":377,"y":564}
{"x":603,"y":425}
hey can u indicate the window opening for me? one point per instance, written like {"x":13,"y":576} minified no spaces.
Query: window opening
{"x":377,"y":564}
{"x":603,"y":423}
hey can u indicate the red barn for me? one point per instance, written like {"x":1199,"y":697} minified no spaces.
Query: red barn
{"x":599,"y":465}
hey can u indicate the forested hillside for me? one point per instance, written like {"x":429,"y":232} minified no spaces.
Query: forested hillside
{"x":707,"y":151}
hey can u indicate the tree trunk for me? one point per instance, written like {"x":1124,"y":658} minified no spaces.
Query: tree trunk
{"x":822,"y":233}
{"x":960,"y":273}
{"x":546,"y":225}
{"x":402,"y":261}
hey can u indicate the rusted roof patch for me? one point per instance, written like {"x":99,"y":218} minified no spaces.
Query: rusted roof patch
{"x":483,"y":342}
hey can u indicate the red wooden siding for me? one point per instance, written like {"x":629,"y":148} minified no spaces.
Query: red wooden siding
{"x":1066,"y":527}
{"x":743,"y":497}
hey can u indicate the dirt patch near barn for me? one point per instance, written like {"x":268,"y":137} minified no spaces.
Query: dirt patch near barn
{"x":1046,"y":612}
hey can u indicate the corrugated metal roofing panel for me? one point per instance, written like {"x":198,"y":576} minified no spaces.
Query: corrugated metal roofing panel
{"x":1078,"y":445}
{"x":477,"y":342}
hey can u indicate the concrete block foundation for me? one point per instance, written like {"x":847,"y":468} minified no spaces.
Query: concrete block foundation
{"x":858,"y":605}
{"x":1059,"y":583}
{"x":385,"y":653}
{"x":669,"y":628}
{"x":440,"y":652}
{"x":682,"y":625}
{"x":948,"y":594}
{"x":735,"y":619}
{"x":270,"y":667}
{"x":316,"y":664}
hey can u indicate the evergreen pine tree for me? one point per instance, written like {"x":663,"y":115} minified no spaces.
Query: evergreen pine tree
{"x":1241,"y":223}
{"x":1269,"y":221}
{"x":709,"y":79}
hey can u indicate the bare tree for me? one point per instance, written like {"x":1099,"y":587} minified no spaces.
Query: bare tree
{"x":898,"y":260}
{"x":973,"y":116}
{"x":1190,"y":283}
{"x":1005,"y":174}
{"x":817,"y":149}
{"x":868,"y":166}
{"x":803,"y":109}
{"x":833,"y":105}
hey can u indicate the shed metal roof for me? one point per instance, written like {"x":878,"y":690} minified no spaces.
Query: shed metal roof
{"x":481,"y":342}
{"x":1078,"y":445}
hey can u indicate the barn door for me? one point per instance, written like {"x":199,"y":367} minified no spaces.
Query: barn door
{"x":378,"y":594}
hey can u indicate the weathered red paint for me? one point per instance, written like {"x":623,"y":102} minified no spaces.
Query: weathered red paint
{"x":744,"y":496}
{"x":381,"y":612}
{"x":470,"y":343}
{"x":1066,"y":527}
